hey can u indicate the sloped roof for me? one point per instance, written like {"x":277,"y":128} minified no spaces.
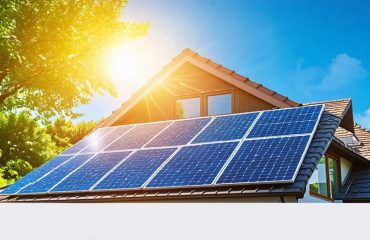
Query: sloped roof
{"x":322,"y":138}
{"x":210,"y":66}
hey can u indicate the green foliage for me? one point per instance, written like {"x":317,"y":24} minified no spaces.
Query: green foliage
{"x":15,"y":169}
{"x":23,"y":138}
{"x":52,"y":53}
{"x":64,"y":133}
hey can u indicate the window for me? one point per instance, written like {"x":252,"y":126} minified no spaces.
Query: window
{"x":326,"y":180}
{"x":204,"y":104}
{"x":188,"y":107}
{"x":219,"y":104}
{"x":320,"y":182}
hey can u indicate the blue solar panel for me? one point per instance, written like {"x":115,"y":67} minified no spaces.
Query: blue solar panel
{"x":35,"y":174}
{"x":101,"y":143}
{"x":87,"y":140}
{"x":194,"y":165}
{"x":287,"y":121}
{"x":135,"y":170}
{"x":86,"y":176}
{"x":227,"y":128}
{"x":265,"y":160}
{"x":179,"y":133}
{"x":138,"y":136}
{"x":47,"y":182}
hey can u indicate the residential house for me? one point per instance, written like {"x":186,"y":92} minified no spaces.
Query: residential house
{"x":336,"y":167}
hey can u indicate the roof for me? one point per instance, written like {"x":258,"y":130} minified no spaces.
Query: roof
{"x":321,"y":140}
{"x":210,"y":66}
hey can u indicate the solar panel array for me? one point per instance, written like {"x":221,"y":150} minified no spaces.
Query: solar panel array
{"x":247,"y":148}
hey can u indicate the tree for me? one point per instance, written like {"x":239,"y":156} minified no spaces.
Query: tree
{"x":52,"y":52}
{"x":64,"y":133}
{"x":23,"y":139}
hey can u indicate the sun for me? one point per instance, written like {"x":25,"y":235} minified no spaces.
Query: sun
{"x":125,"y":68}
{"x":123,"y":63}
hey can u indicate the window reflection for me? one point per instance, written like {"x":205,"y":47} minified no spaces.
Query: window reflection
{"x":187,"y":108}
{"x":219,"y":104}
{"x":319,"y":179}
{"x":334,"y":176}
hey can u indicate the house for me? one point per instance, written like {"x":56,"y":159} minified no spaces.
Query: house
{"x":336,"y":167}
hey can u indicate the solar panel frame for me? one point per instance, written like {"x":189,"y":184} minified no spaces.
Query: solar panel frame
{"x":84,"y":173}
{"x":146,"y":185}
{"x":128,"y":158}
{"x":311,"y":135}
{"x":267,"y":123}
{"x":35,"y":172}
{"x":66,"y":152}
{"x":156,"y":142}
{"x":190,"y":143}
{"x":259,"y":182}
{"x":89,"y":156}
{"x":126,"y":129}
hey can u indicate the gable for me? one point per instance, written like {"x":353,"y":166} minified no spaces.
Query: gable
{"x":188,"y":81}
{"x":217,"y":70}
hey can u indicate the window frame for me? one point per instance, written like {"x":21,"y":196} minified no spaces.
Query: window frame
{"x":224,"y":92}
{"x":330,"y":198}
{"x":204,"y":101}
{"x":187,"y":97}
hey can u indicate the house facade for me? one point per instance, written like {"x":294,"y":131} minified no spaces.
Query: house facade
{"x":336,"y":167}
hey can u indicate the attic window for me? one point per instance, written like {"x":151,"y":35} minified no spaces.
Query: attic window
{"x":188,"y":107}
{"x":219,"y":104}
{"x":326,"y":180}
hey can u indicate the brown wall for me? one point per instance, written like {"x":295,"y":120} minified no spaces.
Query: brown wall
{"x":186,"y":81}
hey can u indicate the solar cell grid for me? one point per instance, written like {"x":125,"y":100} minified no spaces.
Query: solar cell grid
{"x":86,"y":176}
{"x":47,"y":182}
{"x":193,"y":165}
{"x":137,"y":137}
{"x":100,"y":143}
{"x":179,"y":133}
{"x":286,"y":122}
{"x":87,"y":140}
{"x":227,"y":128}
{"x":135,"y":170}
{"x":265,"y":160}
{"x":35,"y":174}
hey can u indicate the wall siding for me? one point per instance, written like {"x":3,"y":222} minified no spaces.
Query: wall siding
{"x":188,"y":80}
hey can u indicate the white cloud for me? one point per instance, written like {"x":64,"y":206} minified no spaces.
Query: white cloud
{"x":343,"y":70}
{"x":364,"y":119}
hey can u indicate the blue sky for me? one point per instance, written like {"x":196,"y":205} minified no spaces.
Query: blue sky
{"x":307,"y":50}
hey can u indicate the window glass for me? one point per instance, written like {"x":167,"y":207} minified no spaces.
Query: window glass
{"x":188,"y":107}
{"x":334,"y":176}
{"x":219,"y":104}
{"x":319,"y":180}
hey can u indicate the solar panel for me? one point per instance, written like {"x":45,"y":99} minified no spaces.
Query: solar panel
{"x":87,"y":140}
{"x":138,"y":136}
{"x":265,"y":160}
{"x":193,"y":165}
{"x":247,"y":148}
{"x":100,"y":143}
{"x":179,"y":133}
{"x":44,"y":184}
{"x":227,"y":128}
{"x":35,"y":174}
{"x":286,"y":122}
{"x":86,"y":176}
{"x":135,"y":170}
